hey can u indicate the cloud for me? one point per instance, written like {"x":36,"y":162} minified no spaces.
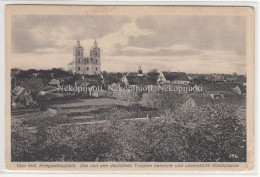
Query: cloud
{"x":170,"y":51}
{"x":31,"y":33}
{"x":202,"y":44}
{"x":200,"y":32}
{"x":113,"y":42}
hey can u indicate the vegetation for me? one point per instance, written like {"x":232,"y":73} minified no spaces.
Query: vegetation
{"x":216,"y":136}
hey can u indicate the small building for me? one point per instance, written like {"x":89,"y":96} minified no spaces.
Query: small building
{"x":134,"y":80}
{"x":216,"y":90}
{"x":173,"y":78}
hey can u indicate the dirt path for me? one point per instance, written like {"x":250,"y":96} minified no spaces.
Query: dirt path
{"x":105,"y":121}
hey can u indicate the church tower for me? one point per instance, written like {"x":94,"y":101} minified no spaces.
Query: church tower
{"x":78,"y":55}
{"x":95,"y":57}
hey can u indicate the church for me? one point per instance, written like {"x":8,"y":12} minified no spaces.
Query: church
{"x":85,"y":65}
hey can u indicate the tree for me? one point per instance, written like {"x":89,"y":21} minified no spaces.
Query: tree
{"x":152,"y":76}
{"x":34,"y":85}
{"x":219,"y":137}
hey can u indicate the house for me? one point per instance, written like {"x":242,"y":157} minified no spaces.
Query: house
{"x":21,"y":97}
{"x":134,"y":80}
{"x":216,"y":90}
{"x":193,"y":101}
{"x":238,"y":88}
{"x":173,"y":77}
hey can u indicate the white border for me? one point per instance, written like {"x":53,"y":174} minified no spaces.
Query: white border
{"x":4,"y":172}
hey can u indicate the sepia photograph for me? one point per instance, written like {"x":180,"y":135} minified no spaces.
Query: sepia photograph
{"x":130,"y":87}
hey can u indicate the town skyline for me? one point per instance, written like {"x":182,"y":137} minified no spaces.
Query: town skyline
{"x":128,"y":42}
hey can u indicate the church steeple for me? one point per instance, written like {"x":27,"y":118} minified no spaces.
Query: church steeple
{"x":95,"y":51}
{"x":95,"y":45}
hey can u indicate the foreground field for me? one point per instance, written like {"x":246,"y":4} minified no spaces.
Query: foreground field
{"x":100,"y":130}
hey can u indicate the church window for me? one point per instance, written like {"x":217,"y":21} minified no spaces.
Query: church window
{"x":87,"y":68}
{"x":78,"y":52}
{"x":78,"y":68}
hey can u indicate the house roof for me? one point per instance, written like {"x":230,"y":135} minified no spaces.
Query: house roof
{"x":88,"y":82}
{"x":18,"y":91}
{"x":231,"y":84}
{"x":152,"y":77}
{"x":137,"y":80}
{"x":242,"y":88}
{"x":181,"y":76}
{"x":132,"y":74}
{"x":199,"y":99}
{"x":112,"y":78}
{"x":241,"y":79}
{"x":215,"y":87}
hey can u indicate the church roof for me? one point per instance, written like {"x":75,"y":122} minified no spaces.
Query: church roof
{"x":78,"y":44}
{"x":95,"y":45}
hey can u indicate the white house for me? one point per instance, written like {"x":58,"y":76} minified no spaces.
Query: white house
{"x":179,"y":78}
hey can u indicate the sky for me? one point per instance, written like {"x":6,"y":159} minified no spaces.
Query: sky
{"x":192,"y":44}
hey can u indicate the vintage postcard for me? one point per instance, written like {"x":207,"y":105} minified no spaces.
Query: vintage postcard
{"x":129,"y":88}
